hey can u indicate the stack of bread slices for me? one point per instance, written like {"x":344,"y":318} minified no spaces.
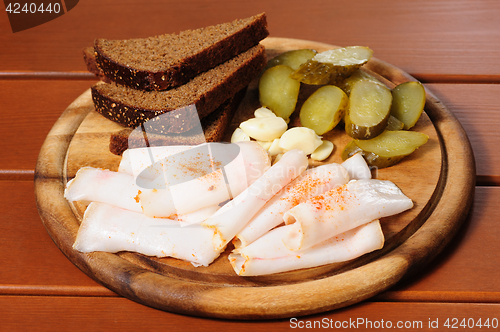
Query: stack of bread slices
{"x":163,"y":77}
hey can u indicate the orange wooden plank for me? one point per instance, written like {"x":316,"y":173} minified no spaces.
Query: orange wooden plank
{"x":29,"y":258}
{"x":29,"y":109}
{"x":476,"y":107}
{"x":430,"y":39}
{"x":118,"y":314}
{"x":470,"y":265}
{"x":439,"y":296}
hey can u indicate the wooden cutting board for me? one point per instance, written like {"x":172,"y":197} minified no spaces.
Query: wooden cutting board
{"x":439,"y":177}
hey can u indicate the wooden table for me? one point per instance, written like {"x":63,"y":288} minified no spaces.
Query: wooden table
{"x":453,"y":47}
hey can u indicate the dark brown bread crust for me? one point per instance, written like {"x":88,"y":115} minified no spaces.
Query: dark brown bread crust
{"x":206,"y":91}
{"x":89,"y":58}
{"x":214,"y":129}
{"x":250,"y":31}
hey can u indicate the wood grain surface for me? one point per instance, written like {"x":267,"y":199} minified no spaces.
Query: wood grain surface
{"x":449,"y":45}
{"x":118,"y":314}
{"x":446,"y":40}
{"x":221,"y":295}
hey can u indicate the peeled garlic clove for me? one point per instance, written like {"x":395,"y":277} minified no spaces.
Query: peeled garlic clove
{"x":265,"y":145}
{"x":274,"y":148}
{"x":263,"y":112}
{"x":301,"y":138}
{"x":277,"y":158}
{"x":323,"y":151}
{"x":264,"y":129}
{"x":239,"y":136}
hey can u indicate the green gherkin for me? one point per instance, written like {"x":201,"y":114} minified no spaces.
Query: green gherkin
{"x":292,"y":59}
{"x":372,"y":159}
{"x":386,"y":149}
{"x":394,"y":124}
{"x":408,"y":103}
{"x":332,"y":66}
{"x":357,"y":75}
{"x":369,"y":110}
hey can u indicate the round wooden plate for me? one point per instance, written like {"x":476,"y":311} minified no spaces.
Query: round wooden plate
{"x":439,"y":177}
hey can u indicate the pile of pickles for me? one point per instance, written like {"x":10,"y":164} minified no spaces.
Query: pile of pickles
{"x":377,"y":118}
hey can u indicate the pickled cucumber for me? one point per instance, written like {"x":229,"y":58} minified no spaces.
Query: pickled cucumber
{"x":408,"y":101}
{"x":372,"y":159}
{"x":292,"y":59}
{"x":369,"y":110}
{"x":279,"y":92}
{"x":324,"y":109}
{"x":332,"y":66}
{"x":357,"y":76}
{"x":386,"y":149}
{"x":394,"y":124}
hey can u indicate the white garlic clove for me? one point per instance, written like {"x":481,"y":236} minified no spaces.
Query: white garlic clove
{"x":277,"y":158}
{"x":275,"y":149}
{"x":301,"y":138}
{"x":264,"y":129}
{"x":263,"y":112}
{"x":239,"y":136}
{"x":323,"y":151}
{"x":265,"y":145}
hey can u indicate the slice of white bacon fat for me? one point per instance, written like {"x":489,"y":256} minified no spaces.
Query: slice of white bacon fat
{"x":112,"y":229}
{"x":357,"y":167}
{"x":187,"y":200}
{"x":235,"y":214}
{"x":197,"y":216}
{"x":312,"y":182}
{"x":98,"y":185}
{"x":203,"y":176}
{"x":185,"y":197}
{"x":134,"y":161}
{"x":120,"y":190}
{"x":341,"y":209}
{"x":269,"y":255}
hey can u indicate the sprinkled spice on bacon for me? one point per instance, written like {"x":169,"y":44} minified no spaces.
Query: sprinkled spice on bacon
{"x":340,"y":209}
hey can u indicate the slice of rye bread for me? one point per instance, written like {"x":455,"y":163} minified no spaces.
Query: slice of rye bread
{"x":166,"y":61}
{"x":161,"y":111}
{"x":214,"y":128}
{"x":89,"y":58}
